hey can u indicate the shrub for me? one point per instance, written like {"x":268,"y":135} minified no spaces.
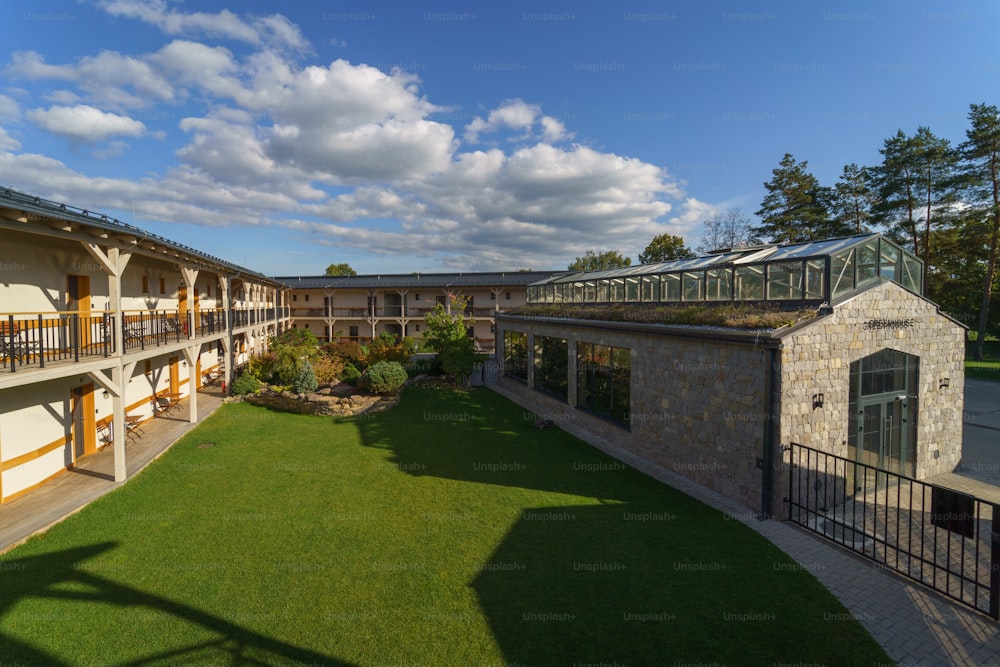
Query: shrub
{"x":386,"y":348}
{"x":246,"y":384}
{"x":328,"y":369}
{"x":385,"y":377}
{"x":348,"y":351}
{"x":350,"y":374}
{"x":261,"y":366}
{"x":305,"y":380}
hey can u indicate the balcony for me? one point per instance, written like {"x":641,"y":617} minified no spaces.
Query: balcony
{"x":34,"y":340}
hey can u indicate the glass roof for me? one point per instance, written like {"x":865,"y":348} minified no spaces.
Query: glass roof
{"x":733,"y":256}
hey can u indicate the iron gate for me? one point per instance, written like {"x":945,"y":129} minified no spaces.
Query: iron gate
{"x":943,"y":538}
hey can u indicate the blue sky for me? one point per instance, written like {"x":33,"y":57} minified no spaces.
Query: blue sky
{"x":439,"y":136}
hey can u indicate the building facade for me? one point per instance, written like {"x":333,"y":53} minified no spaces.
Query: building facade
{"x":874,"y":373}
{"x":101,"y":324}
{"x":364,"y":307}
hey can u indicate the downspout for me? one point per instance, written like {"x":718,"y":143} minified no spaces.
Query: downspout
{"x":772,"y":399}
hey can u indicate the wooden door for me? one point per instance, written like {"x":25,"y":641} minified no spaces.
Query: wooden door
{"x":175,"y":385}
{"x":78,"y":300}
{"x":182,"y":307}
{"x":84,"y":426}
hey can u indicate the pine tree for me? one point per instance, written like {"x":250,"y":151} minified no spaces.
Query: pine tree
{"x":853,"y":199}
{"x":794,"y":208}
{"x":981,"y":159}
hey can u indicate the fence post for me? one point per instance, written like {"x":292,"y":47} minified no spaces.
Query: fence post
{"x":995,"y":564}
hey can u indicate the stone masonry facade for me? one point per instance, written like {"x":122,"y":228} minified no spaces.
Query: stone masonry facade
{"x":818,"y":358}
{"x":702,"y":403}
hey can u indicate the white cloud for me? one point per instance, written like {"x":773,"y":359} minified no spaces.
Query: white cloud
{"x":274,"y":29}
{"x":7,"y":142}
{"x":517,"y":115}
{"x":85,"y":123}
{"x":108,"y":79}
{"x":345,"y":153}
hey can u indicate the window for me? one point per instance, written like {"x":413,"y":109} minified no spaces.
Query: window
{"x":352,"y":331}
{"x":208,"y":289}
{"x":493,"y":296}
{"x":295,"y":297}
{"x":784,"y":280}
{"x":670,"y":287}
{"x":515,"y":355}
{"x":815,"y":279}
{"x":551,"y":366}
{"x":603,"y":380}
{"x":650,"y":289}
{"x":145,"y":284}
{"x":693,"y":285}
{"x":508,"y":296}
{"x":163,"y":286}
{"x":631,"y":289}
{"x":307,"y":297}
{"x":717,"y":284}
{"x":749,"y":283}
{"x":842,"y":272}
{"x":416,"y":296}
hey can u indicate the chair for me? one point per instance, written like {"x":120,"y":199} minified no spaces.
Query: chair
{"x":161,"y":405}
{"x":13,"y":345}
{"x":132,"y":427}
{"x":106,"y":435}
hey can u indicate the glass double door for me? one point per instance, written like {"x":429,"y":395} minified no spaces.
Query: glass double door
{"x":882,"y":441}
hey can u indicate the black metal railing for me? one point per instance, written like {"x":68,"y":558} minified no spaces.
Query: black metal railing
{"x":945,"y":539}
{"x":30,"y":340}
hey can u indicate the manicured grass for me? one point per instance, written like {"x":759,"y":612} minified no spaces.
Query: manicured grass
{"x":983,"y":370}
{"x":447,"y":531}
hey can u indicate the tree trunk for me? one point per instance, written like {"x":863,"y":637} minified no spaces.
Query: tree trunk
{"x":991,"y":267}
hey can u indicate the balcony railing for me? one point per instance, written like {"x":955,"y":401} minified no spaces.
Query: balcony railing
{"x":32,"y":340}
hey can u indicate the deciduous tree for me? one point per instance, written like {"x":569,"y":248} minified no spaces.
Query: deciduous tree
{"x":343,"y":269}
{"x":594,"y":261}
{"x":663,"y":248}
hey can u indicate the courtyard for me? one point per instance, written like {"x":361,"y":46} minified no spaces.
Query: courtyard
{"x":448,"y":530}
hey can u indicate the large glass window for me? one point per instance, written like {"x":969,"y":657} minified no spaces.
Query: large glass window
{"x":515,"y":355}
{"x":670,"y":287}
{"x":650,"y":289}
{"x":888,"y":259}
{"x":590,"y":291}
{"x":867,"y":261}
{"x":603,"y":290}
{"x":603,"y":380}
{"x":693,"y":285}
{"x":784,"y":280}
{"x":749,"y":283}
{"x":631,"y":289}
{"x":912,"y":273}
{"x":717,"y":285}
{"x":617,"y":290}
{"x":551,"y":366}
{"x":815,"y":279}
{"x":842,"y":272}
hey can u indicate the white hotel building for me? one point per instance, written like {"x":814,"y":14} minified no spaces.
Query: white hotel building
{"x":102,"y":324}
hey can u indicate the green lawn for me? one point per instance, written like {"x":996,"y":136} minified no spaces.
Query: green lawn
{"x":447,"y":531}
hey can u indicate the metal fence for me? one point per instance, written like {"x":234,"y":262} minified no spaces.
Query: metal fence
{"x":945,"y":539}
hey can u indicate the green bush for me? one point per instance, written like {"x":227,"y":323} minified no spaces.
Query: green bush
{"x":305,"y":380}
{"x":348,"y":351}
{"x":350,"y":374}
{"x":246,"y":384}
{"x":385,"y":377}
{"x":261,"y":366}
{"x":386,"y":348}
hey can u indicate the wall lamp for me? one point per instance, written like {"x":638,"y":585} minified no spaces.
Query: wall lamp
{"x":817,"y":401}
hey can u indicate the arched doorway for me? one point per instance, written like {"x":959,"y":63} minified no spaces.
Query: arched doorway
{"x":884,"y":397}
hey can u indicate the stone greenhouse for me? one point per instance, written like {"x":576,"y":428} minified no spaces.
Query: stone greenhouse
{"x":866,"y":368}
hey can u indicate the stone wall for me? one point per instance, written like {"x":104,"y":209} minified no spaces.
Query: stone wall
{"x":321,"y":404}
{"x":818,"y":358}
{"x":697,"y":403}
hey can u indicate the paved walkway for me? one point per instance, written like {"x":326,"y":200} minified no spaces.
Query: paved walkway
{"x":72,"y":490}
{"x":914,"y":625}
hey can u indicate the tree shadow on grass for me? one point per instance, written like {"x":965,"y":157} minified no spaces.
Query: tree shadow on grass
{"x":58,"y":576}
{"x":479,"y":436}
